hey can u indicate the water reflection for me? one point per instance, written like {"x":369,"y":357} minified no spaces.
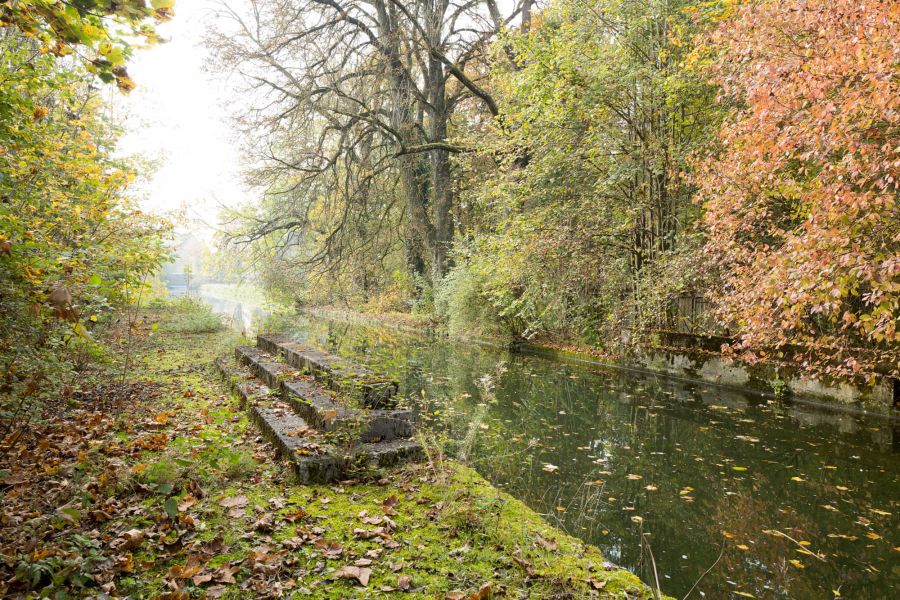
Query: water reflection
{"x":800,"y":503}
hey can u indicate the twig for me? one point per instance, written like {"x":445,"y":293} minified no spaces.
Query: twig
{"x":657,"y":592}
{"x":711,"y":567}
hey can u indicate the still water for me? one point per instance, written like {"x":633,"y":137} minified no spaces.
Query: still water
{"x":774,"y":500}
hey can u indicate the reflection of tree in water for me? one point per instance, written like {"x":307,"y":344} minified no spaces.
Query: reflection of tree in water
{"x":763,"y":568}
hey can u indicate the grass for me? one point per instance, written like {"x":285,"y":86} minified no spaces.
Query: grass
{"x":216,"y":514}
{"x":191,"y":316}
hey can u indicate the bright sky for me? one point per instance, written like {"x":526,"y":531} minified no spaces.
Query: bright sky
{"x":177,"y":115}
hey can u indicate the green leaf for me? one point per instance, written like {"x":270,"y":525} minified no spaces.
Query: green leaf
{"x":95,"y":279}
{"x":81,"y":332}
{"x":171,"y":507}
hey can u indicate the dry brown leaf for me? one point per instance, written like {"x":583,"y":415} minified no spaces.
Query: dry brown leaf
{"x":485,"y":591}
{"x":329,"y":549}
{"x":597,"y":584}
{"x":187,"y":570}
{"x":225,"y":574}
{"x":360,"y":574}
{"x":547,"y":544}
{"x":234,"y":501}
{"x":131,"y":539}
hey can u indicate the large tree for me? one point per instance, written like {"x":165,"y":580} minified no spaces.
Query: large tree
{"x":353,"y":102}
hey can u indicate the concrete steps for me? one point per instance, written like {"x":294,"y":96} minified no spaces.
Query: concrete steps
{"x":319,"y":406}
{"x":338,"y":374}
{"x":325,"y":435}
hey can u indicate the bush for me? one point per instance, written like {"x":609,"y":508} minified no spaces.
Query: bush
{"x":462,"y":302}
{"x":192,"y":316}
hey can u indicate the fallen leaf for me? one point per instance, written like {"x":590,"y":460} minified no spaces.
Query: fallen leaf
{"x":187,"y":570}
{"x":329,"y":549}
{"x":360,"y":574}
{"x":131,"y":539}
{"x":546,"y":544}
{"x":225,"y":574}
{"x":404,"y":582}
{"x":234,"y":502}
{"x":265,"y":523}
{"x":485,"y":591}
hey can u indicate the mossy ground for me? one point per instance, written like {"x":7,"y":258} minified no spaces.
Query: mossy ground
{"x":194,"y":503}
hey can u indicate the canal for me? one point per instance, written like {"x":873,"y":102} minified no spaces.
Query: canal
{"x":678,"y":482}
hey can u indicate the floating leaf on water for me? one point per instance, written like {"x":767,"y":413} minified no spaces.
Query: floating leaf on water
{"x":797,"y":563}
{"x":738,"y":468}
{"x":797,"y":479}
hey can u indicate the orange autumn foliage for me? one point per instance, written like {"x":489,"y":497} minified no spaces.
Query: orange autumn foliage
{"x":801,"y":193}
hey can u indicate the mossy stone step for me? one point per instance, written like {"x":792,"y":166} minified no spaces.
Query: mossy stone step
{"x":314,"y":460}
{"x":340,"y":375}
{"x":319,"y":407}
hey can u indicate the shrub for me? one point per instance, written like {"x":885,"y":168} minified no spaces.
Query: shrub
{"x":192,"y":316}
